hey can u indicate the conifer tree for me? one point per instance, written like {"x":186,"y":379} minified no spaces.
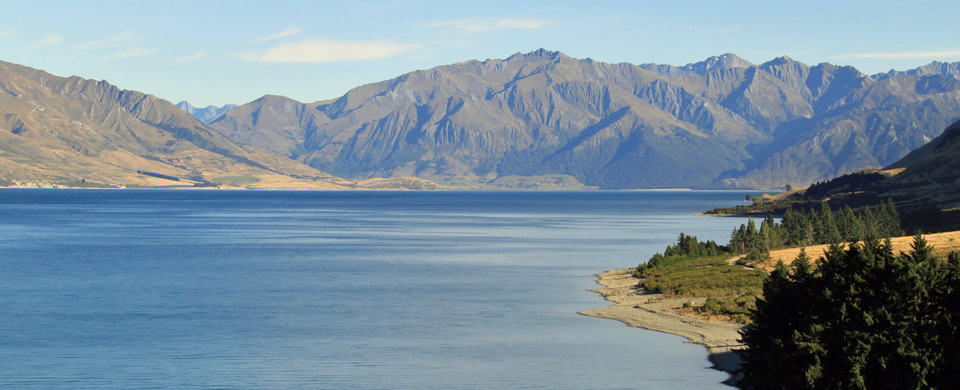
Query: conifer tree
{"x":816,"y":223}
{"x":772,"y":337}
{"x":771,"y":233}
{"x":797,"y":229}
{"x":828,"y":233}
{"x":889,"y":220}
{"x":865,"y":318}
{"x":948,"y":327}
{"x":869,"y":223}
{"x":849,"y":225}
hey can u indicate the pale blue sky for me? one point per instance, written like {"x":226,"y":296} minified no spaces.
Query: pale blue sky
{"x":218,"y":52}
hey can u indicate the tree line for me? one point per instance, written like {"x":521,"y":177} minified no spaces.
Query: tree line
{"x":797,"y":228}
{"x":687,"y":247}
{"x":815,"y":227}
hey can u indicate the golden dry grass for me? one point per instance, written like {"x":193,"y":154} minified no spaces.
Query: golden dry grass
{"x":942,"y":243}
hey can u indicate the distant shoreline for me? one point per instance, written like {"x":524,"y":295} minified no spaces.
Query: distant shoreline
{"x":636,"y":308}
{"x":741,"y":215}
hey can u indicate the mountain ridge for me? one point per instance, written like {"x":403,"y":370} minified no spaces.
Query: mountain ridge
{"x":70,"y":131}
{"x":721,"y":122}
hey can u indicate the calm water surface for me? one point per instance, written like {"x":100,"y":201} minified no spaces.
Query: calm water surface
{"x":286,"y":289}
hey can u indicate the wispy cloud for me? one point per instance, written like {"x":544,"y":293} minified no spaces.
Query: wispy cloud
{"x":915,"y":54}
{"x":50,"y":39}
{"x":123,"y":39}
{"x":317,"y":51}
{"x":8,"y":34}
{"x":190,"y":58}
{"x":135,"y":52}
{"x":478,"y":25}
{"x":283,"y":34}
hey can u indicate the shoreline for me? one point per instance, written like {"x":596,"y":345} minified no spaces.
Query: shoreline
{"x":741,"y":215}
{"x":636,"y":308}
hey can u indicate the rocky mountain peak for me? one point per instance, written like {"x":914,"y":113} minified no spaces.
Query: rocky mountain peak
{"x":725,"y":61}
{"x":272,"y":99}
{"x":186,"y":106}
{"x":945,"y":69}
{"x":541,"y":52}
{"x":782,"y":60}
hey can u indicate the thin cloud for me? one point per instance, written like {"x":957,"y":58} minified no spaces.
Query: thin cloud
{"x":50,"y":39}
{"x":283,"y":34}
{"x":123,"y":39}
{"x":916,"y":54}
{"x":318,"y":51}
{"x":135,"y":52}
{"x":478,"y":25}
{"x":190,"y":58}
{"x":8,"y":34}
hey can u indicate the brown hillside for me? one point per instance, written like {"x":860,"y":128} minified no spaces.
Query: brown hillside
{"x":57,"y":131}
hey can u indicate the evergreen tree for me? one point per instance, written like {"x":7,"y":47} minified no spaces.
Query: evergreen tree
{"x":869,"y":223}
{"x":849,"y":225}
{"x":747,"y":238}
{"x":797,"y":229}
{"x":947,"y":297}
{"x":889,"y":220}
{"x":771,"y":233}
{"x":687,"y":247}
{"x":828,"y":232}
{"x":753,"y":236}
{"x":816,"y":223}
{"x":772,"y":337}
{"x":864,"y":319}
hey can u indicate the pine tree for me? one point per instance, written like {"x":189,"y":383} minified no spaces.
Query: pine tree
{"x":797,"y":229}
{"x":772,"y":337}
{"x":863,"y":319}
{"x":752,"y":234}
{"x":816,"y":223}
{"x":889,"y":220}
{"x":828,"y":233}
{"x":791,"y":227}
{"x":771,"y":233}
{"x":869,"y":223}
{"x":948,"y":325}
{"x":849,"y":225}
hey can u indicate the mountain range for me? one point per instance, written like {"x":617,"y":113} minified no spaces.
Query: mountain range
{"x":535,"y":120}
{"x":57,"y":131}
{"x":721,"y":122}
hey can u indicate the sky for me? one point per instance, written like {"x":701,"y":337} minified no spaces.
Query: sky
{"x":220,"y":52}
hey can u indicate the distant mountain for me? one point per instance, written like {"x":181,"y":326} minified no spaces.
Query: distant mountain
{"x":57,"y":131}
{"x":207,"y":114}
{"x":722,"y":122}
{"x":272,"y":123}
{"x":948,"y":69}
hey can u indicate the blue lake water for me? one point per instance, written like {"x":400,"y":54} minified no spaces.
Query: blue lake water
{"x":125,"y":289}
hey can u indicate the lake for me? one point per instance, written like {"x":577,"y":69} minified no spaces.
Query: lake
{"x":124,"y":289}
